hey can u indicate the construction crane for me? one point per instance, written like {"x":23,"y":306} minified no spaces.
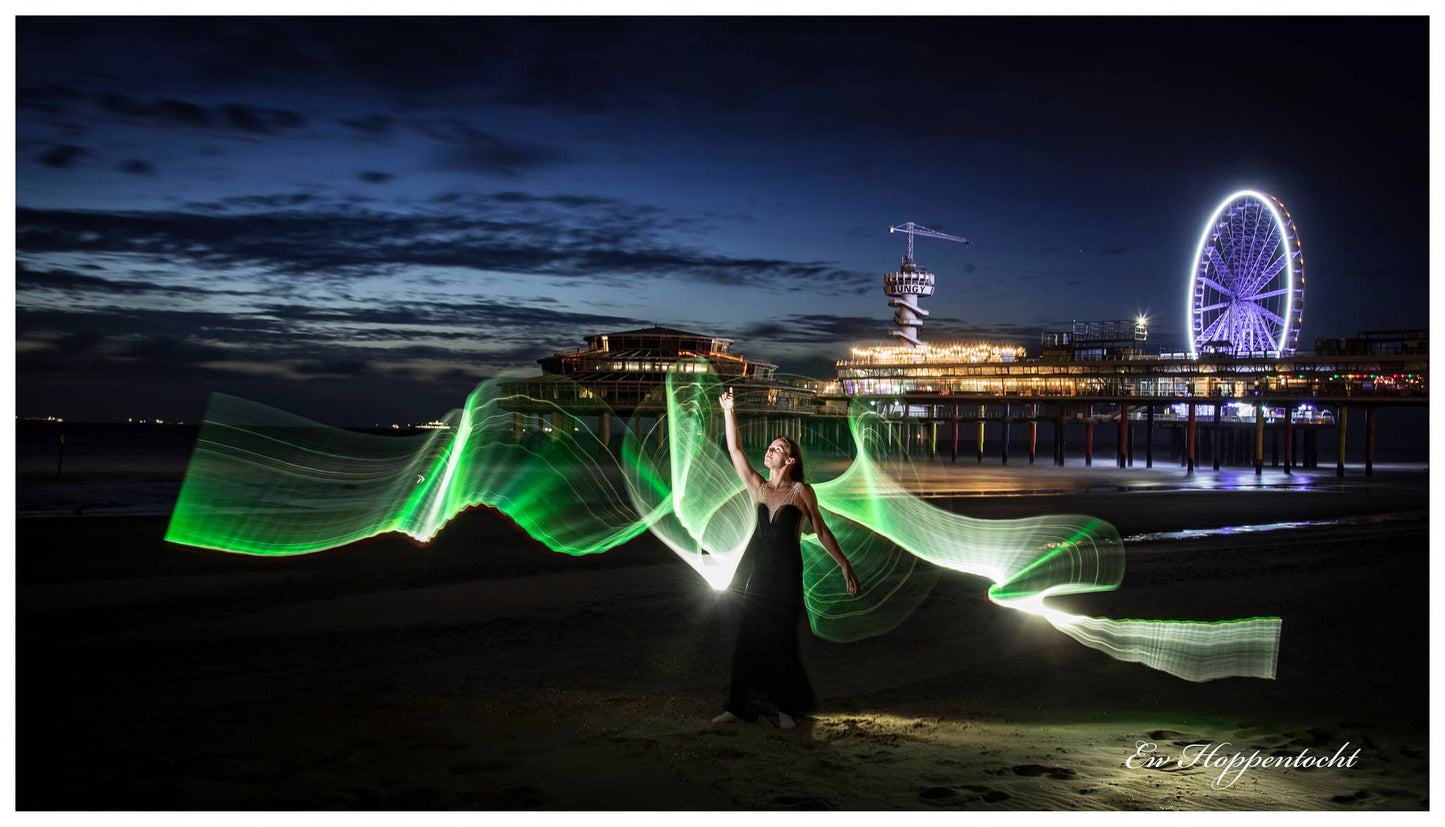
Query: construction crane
{"x":911,"y":282}
{"x":913,"y":229}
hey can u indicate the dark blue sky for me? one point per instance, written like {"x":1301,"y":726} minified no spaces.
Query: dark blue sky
{"x":357,"y":220}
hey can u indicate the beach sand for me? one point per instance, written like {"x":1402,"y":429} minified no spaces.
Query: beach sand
{"x":482,"y":671}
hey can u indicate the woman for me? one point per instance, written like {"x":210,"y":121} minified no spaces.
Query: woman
{"x":766,"y":658}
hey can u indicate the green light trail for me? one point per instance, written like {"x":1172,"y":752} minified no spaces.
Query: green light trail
{"x":264,"y":482}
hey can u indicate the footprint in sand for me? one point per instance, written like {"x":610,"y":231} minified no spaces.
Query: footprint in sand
{"x":1359,"y":795}
{"x":539,"y":749}
{"x":1177,"y":738}
{"x":804,"y":802}
{"x":988,"y":794}
{"x":1034,"y":770}
{"x":966,"y":795}
{"x":512,"y":798}
{"x":484,"y":765}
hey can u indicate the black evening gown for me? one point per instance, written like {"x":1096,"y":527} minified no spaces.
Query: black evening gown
{"x":770,"y":586}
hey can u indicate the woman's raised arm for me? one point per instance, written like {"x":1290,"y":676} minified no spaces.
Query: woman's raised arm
{"x":741,"y":465}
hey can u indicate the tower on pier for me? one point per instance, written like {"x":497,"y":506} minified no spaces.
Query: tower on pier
{"x":911,"y":282}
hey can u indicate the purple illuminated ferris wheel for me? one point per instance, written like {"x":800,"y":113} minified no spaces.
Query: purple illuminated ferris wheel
{"x":1247,"y":288}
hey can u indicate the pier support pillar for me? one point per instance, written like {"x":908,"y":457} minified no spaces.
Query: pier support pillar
{"x":1214,"y":436}
{"x":1149,"y":437}
{"x":1289,"y":440}
{"x":604,"y":429}
{"x":1370,"y":441}
{"x":1258,"y":438}
{"x":1033,"y":438}
{"x":1005,"y":433}
{"x":1340,"y":422}
{"x":516,"y":426}
{"x":955,"y":433}
{"x":1274,"y":446}
{"x":1088,"y":435}
{"x":980,"y":434}
{"x":1059,"y":435}
{"x":905,"y":432}
{"x":1189,"y":440}
{"x":1129,"y":438}
{"x":1123,"y":434}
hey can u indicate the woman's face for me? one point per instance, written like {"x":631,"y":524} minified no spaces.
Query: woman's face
{"x":777,"y":455}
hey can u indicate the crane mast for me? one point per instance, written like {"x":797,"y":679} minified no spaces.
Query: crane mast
{"x":905,"y":287}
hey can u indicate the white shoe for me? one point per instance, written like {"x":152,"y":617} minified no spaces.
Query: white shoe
{"x":785,"y":721}
{"x":725,"y":718}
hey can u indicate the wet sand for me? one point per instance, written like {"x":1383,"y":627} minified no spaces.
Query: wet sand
{"x":482,"y":671}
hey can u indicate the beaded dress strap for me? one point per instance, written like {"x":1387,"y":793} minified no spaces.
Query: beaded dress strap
{"x":759,"y":495}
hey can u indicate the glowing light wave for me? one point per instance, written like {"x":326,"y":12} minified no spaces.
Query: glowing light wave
{"x":265,"y":482}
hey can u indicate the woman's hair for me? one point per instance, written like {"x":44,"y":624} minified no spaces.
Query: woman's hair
{"x":796,"y":452}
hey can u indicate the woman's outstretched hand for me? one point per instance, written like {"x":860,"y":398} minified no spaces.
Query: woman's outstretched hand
{"x":851,"y":579}
{"x":726,"y":400}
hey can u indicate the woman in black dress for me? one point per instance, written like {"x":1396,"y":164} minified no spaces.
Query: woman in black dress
{"x":770,"y":580}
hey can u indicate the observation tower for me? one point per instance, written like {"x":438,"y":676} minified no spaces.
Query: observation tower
{"x":911,"y":282}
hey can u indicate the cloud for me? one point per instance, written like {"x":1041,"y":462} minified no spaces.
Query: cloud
{"x":187,"y":351}
{"x":261,"y":119}
{"x":135,"y":166}
{"x":172,"y":112}
{"x":49,"y":98}
{"x":468,"y":149}
{"x":375,"y":125}
{"x":298,"y":235}
{"x":63,"y":156}
{"x":162,"y":110}
{"x":28,"y":280}
{"x":372,"y":177}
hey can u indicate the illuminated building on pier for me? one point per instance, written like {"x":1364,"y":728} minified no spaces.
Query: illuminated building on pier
{"x":624,"y":373}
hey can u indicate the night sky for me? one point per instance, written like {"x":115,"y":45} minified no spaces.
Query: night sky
{"x":358,"y":220}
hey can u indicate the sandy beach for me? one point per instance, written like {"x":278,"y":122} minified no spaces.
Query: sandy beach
{"x":481,"y":671}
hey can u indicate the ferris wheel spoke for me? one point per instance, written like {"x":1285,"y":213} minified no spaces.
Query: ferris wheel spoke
{"x":1249,"y":326}
{"x":1264,"y":239}
{"x":1255,"y":277}
{"x":1219,"y":306}
{"x":1219,"y":260}
{"x":1269,"y":295}
{"x":1266,"y":335}
{"x":1271,"y":334}
{"x":1267,"y":275}
{"x":1213,"y":329}
{"x":1266,"y":313}
{"x":1249,"y":264}
{"x":1246,"y":238}
{"x":1217,"y":286}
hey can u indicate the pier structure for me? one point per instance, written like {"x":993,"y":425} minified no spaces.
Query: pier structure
{"x":1217,"y":408}
{"x":617,"y":380}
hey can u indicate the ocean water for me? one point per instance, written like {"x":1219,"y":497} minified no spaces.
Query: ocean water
{"x":119,"y":469}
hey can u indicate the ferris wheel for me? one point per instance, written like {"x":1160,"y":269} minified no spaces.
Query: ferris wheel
{"x":1247,"y":288}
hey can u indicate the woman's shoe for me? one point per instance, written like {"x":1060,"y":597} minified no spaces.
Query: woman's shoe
{"x":725,"y":718}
